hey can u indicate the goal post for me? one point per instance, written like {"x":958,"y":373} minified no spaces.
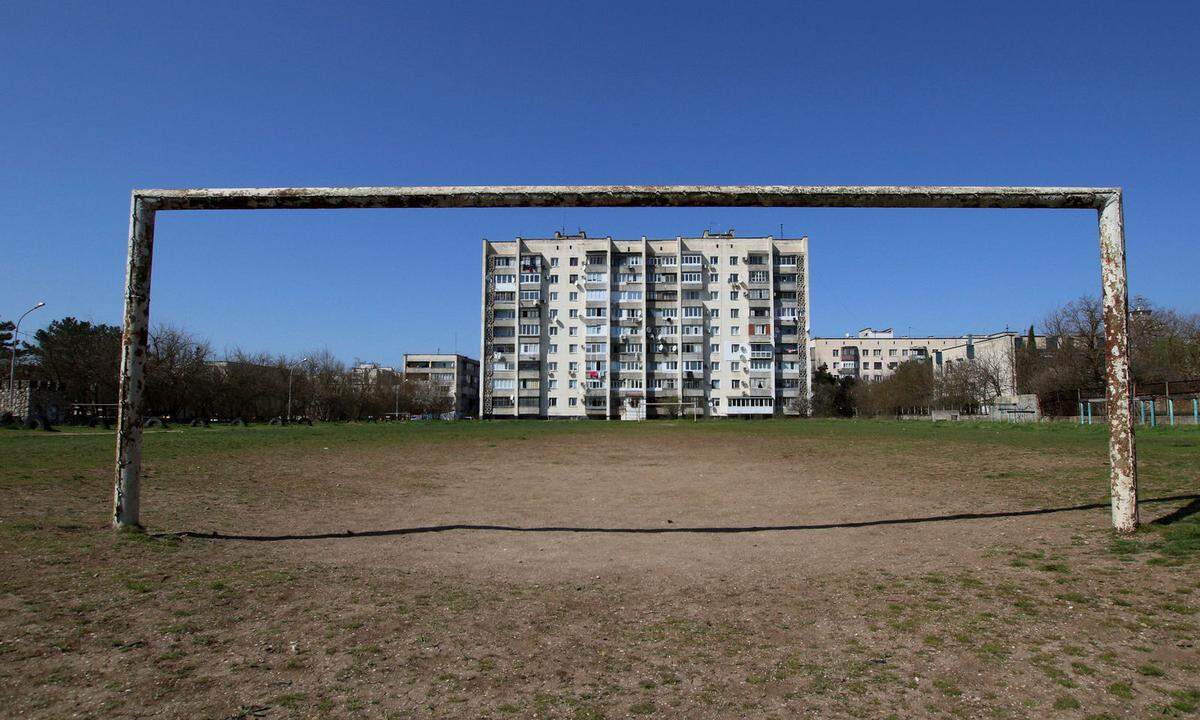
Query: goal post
{"x":1105,"y":201}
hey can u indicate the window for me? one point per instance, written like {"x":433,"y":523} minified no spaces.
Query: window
{"x":573,"y":297}
{"x":553,"y":314}
{"x":573,"y":331}
{"x":714,"y":366}
{"x":629,"y":295}
{"x":734,"y":366}
{"x":572,"y":401}
{"x":552,"y":347}
{"x":553,"y":330}
{"x":693,"y":329}
{"x":503,"y":384}
{"x":633,"y":260}
{"x":733,"y":294}
{"x":629,"y":277}
{"x":835,"y":352}
{"x":531,"y":330}
{"x":735,"y":383}
{"x":733,"y":278}
{"x":713,"y":295}
{"x":758,"y":276}
{"x":551,"y":366}
{"x":735,"y":329}
{"x":693,"y":311}
{"x":714,"y":329}
{"x":760,"y":364}
{"x":714,"y":347}
{"x":713,"y":260}
{"x":574,"y":261}
{"x":597,"y":294}
{"x":714,"y":277}
{"x":595,"y":330}
{"x":503,"y":262}
{"x":554,"y":295}
{"x":892,"y":352}
{"x":552,"y":402}
{"x":573,"y":348}
{"x":573,"y":279}
{"x":531,"y":277}
{"x":597,"y":277}
{"x":573,"y":365}
{"x":691,"y":294}
{"x":505,"y":279}
{"x":787,"y":259}
{"x":573,"y":313}
{"x":553,"y":262}
{"x":531,"y":294}
{"x":733,"y":259}
{"x":693,"y":259}
{"x":530,"y":348}
{"x":734,"y":312}
{"x":691,"y":277}
{"x":597,"y":312}
{"x":507,"y":314}
{"x":693,"y":365}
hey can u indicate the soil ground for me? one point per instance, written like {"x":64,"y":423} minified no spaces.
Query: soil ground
{"x":588,"y":570}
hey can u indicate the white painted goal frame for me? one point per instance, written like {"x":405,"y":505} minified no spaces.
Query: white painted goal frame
{"x":1107,"y":202}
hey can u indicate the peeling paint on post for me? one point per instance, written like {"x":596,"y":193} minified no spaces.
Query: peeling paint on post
{"x":133,"y":362}
{"x":1105,"y":200}
{"x":1122,"y":455}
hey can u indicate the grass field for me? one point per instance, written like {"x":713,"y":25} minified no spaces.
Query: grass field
{"x":589,"y":570}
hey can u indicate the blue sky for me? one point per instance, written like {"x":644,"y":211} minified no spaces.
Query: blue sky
{"x":99,"y":98}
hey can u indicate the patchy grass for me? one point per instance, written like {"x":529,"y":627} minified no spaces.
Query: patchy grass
{"x":1011,"y":616}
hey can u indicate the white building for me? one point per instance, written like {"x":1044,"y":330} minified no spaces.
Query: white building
{"x":872,"y":355}
{"x":596,"y":327}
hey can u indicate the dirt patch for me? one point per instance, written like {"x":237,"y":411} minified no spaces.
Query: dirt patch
{"x":724,"y":570}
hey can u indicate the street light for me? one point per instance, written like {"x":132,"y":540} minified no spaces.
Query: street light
{"x":290,"y":368}
{"x":12,"y":363}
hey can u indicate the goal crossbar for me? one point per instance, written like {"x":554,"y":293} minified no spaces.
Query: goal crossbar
{"x":1106,"y":201}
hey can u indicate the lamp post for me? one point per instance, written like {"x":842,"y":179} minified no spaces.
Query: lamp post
{"x":290,"y":369}
{"x":12,"y":363}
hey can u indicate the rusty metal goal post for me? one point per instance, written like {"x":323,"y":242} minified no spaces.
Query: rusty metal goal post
{"x":1107,"y":202}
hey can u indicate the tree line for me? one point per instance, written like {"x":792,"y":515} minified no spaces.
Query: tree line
{"x":186,"y":380}
{"x":1060,"y":363}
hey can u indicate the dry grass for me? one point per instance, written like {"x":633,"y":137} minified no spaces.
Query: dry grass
{"x":780,"y":569}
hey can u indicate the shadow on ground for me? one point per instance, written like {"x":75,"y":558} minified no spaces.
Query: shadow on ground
{"x":1191,"y":508}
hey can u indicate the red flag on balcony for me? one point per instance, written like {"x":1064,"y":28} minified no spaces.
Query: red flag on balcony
{"x":593,"y":374}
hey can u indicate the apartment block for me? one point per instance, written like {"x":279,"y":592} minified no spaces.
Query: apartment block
{"x":601,"y":328}
{"x":875,"y":354}
{"x":458,"y":374}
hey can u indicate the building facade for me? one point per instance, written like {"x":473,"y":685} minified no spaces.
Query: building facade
{"x":601,"y":328}
{"x":458,"y":374}
{"x":873,"y":355}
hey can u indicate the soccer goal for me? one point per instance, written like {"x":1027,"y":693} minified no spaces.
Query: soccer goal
{"x":1106,"y":202}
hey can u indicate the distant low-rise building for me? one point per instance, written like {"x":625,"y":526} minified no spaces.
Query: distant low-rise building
{"x":873,"y":355}
{"x":458,"y":374}
{"x":373,"y":373}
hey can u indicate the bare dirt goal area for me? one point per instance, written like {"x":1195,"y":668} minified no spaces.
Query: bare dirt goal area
{"x":588,"y":570}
